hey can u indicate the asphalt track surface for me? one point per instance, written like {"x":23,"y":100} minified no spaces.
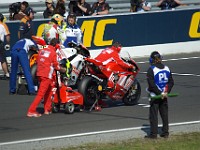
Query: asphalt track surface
{"x":15,"y":126}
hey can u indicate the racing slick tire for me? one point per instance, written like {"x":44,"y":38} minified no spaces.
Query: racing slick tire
{"x":88,"y":87}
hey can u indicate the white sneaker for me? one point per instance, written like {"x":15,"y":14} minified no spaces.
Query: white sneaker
{"x":29,"y":114}
{"x":7,"y":75}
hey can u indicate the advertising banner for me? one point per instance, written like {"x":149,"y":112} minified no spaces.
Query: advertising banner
{"x":131,"y":29}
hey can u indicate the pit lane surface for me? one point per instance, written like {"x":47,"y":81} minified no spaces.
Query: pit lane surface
{"x":15,"y":126}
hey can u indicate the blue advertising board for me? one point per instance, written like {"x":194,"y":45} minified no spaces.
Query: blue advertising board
{"x":132,"y":29}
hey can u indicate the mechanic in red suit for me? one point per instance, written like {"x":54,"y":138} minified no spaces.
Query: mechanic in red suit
{"x":47,"y":63}
{"x":111,"y":54}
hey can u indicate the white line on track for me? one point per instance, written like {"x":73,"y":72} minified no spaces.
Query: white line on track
{"x":186,"y":74}
{"x":144,"y":105}
{"x":179,"y":74}
{"x":173,"y":59}
{"x":141,"y":104}
{"x":94,"y":133}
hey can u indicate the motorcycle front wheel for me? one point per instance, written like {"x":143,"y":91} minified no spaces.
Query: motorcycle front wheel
{"x":133,"y":95}
{"x":88,"y":88}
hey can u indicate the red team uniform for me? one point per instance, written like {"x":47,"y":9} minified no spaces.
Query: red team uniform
{"x":47,"y":63}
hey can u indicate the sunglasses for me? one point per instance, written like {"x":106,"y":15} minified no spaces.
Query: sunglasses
{"x":48,"y":3}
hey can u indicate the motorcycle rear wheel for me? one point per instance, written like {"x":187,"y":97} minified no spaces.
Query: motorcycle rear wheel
{"x":133,"y":95}
{"x":88,"y":88}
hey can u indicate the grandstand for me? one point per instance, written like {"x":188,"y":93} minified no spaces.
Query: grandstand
{"x":117,"y":6}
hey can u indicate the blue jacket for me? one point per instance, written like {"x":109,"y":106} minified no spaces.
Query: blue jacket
{"x":24,"y":44}
{"x":73,"y":33}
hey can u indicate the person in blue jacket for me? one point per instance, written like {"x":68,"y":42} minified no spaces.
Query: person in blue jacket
{"x":160,"y":82}
{"x":19,"y":55}
{"x":72,"y":31}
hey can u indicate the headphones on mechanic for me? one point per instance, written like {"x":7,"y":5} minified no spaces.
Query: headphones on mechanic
{"x":154,"y":55}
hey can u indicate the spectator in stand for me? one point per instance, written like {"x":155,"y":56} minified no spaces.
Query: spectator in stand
{"x":144,"y":6}
{"x":140,"y":6}
{"x":25,"y":28}
{"x":79,"y":8}
{"x":14,"y":9}
{"x":24,"y":5}
{"x":49,"y":11}
{"x":60,"y":7}
{"x":168,"y":4}
{"x":100,"y":8}
{"x":4,"y":34}
{"x":134,"y":5}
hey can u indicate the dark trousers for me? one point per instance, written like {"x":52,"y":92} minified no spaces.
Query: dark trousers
{"x":2,"y":53}
{"x":160,"y":106}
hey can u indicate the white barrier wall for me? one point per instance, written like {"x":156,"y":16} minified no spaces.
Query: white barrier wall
{"x":164,"y":49}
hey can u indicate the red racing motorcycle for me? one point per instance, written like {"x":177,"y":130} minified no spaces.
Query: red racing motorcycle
{"x":94,"y":86}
